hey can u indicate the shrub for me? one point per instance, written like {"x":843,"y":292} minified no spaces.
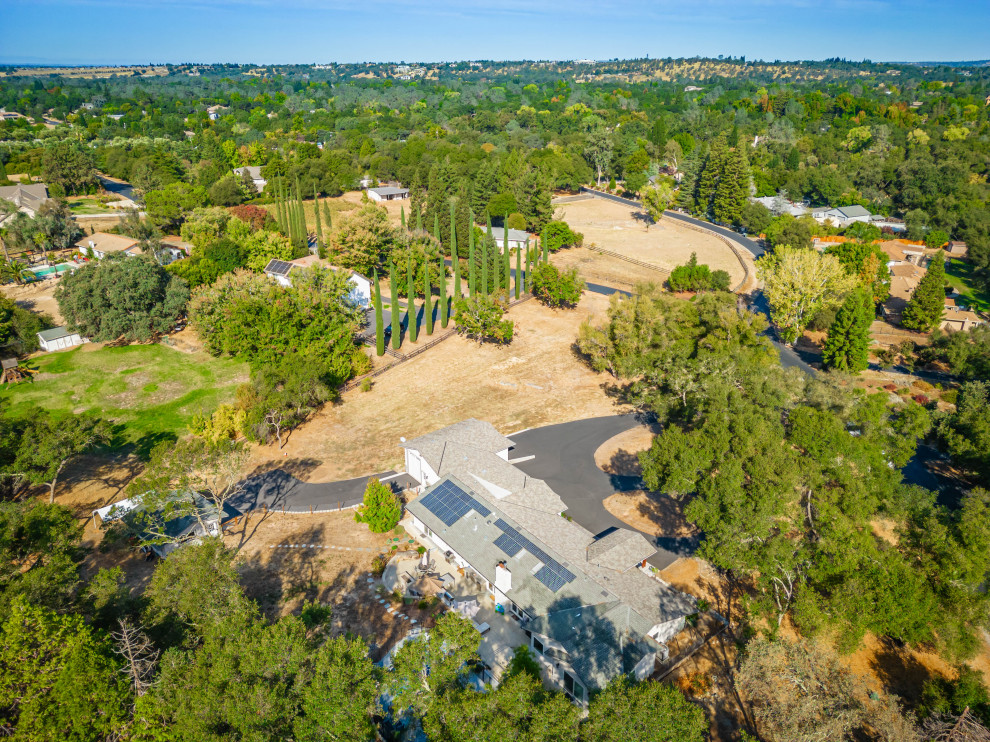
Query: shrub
{"x":697,"y":277}
{"x":950,"y":396}
{"x":922,"y":386}
{"x":558,"y":235}
{"x":480,"y":317}
{"x":516,"y":221}
{"x":314,"y":614}
{"x":887,"y":358}
{"x":226,"y":423}
{"x":254,"y":216}
{"x":554,"y":288}
{"x":920,"y":399}
{"x":366,"y":385}
{"x":381,"y":509}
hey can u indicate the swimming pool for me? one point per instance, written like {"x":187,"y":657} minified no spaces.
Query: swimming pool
{"x":48,"y":270}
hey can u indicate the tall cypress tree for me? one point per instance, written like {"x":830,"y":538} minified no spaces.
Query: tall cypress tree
{"x":396,"y":312}
{"x":402,"y":216}
{"x":546,"y":250}
{"x":472,"y":277}
{"x":319,"y":225}
{"x":484,"y":266}
{"x":411,"y":299}
{"x":924,"y":311}
{"x":428,"y":294}
{"x":436,"y":228}
{"x":443,"y":290}
{"x":526,"y":274}
{"x":518,"y":271}
{"x":507,"y":265}
{"x":453,"y":232}
{"x":379,"y":319}
{"x":847,"y":346}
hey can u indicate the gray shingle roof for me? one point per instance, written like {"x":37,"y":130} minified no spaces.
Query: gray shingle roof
{"x":851,"y":211}
{"x":471,"y":432}
{"x":389,"y":191}
{"x":620,"y":550}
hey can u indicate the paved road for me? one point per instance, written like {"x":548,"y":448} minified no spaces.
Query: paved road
{"x":118,"y":186}
{"x":279,"y":490}
{"x":564,"y":457}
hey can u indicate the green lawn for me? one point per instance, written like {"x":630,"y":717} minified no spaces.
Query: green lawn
{"x":148,"y":390}
{"x":959,"y":274}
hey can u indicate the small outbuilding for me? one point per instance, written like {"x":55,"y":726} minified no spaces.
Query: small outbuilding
{"x":517,"y":238}
{"x":59,"y":338}
{"x":388,"y":193}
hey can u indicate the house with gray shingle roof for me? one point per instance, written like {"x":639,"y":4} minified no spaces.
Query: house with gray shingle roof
{"x":588,"y":606}
{"x":27,"y":198}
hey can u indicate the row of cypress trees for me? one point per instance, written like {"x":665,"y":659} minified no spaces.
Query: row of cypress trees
{"x":482,"y":259}
{"x":291,"y":216}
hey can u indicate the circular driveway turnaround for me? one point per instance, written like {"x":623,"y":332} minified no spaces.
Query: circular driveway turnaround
{"x":564,"y":457}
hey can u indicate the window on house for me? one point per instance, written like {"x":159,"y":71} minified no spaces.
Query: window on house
{"x":573,"y":687}
{"x":537,"y":645}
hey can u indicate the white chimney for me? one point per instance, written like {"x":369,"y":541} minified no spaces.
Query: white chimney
{"x":503,"y":578}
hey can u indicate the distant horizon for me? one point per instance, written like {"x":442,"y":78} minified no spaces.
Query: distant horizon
{"x":726,"y":58}
{"x":124,"y":32}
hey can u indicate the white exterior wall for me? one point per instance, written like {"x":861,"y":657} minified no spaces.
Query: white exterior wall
{"x":418,"y":468}
{"x":644,"y":668}
{"x":69,"y":341}
{"x":360,"y":295}
{"x":664,"y":632}
{"x":374,"y":196}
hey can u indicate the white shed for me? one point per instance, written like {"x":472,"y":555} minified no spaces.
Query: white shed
{"x":388,"y":194}
{"x":517,"y":238}
{"x":59,"y":338}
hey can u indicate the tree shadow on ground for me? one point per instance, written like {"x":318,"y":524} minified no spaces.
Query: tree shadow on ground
{"x":899,"y":670}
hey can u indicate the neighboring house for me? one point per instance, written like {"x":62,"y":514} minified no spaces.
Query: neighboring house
{"x":959,"y":319}
{"x":957,"y":249}
{"x":27,"y":198}
{"x":586,"y":603}
{"x":842,"y":216}
{"x":215,"y":112}
{"x":178,"y":531}
{"x":59,"y":338}
{"x":281,"y":272}
{"x":115,"y":116}
{"x":904,"y":279}
{"x":254,"y":172}
{"x":517,"y":238}
{"x":388,"y":193}
{"x":888,"y":222}
{"x":177,"y":247}
{"x":899,"y":251}
{"x":778,"y":206}
{"x":100,"y":244}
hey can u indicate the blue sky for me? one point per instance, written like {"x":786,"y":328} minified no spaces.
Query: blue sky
{"x":304,"y":31}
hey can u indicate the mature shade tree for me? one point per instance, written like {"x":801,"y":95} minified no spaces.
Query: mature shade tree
{"x":598,"y":150}
{"x":249,"y":316}
{"x":59,"y":678}
{"x":51,"y":440}
{"x":481,"y":317}
{"x":786,"y":230}
{"x":798,"y":283}
{"x":966,"y":432}
{"x":555,"y":288}
{"x":340,"y":698}
{"x":657,"y":199}
{"x":39,"y":555}
{"x":732,"y":189}
{"x":362,"y":239}
{"x":381,"y":509}
{"x":167,"y":206}
{"x":646,"y":712}
{"x":868,"y":263}
{"x":121,"y":297}
{"x":261,"y":247}
{"x":847,"y":347}
{"x":227,"y":191}
{"x":67,"y":168}
{"x":927,"y":304}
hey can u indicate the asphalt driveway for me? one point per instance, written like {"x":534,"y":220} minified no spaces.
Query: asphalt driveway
{"x":279,"y":490}
{"x":564,"y":457}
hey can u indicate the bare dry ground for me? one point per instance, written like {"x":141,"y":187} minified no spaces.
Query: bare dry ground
{"x":39,"y":297}
{"x":622,"y":229}
{"x":536,"y":380}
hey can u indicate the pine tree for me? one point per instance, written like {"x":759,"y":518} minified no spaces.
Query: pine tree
{"x":402,"y":216}
{"x":319,"y":225}
{"x":396,"y":316}
{"x":848,"y":342}
{"x":439,"y":191}
{"x":443,"y":290}
{"x":428,"y":295}
{"x":411,"y":318}
{"x":924,"y":311}
{"x":732,"y":189}
{"x":379,"y":319}
{"x":709,"y":179}
{"x":419,"y":221}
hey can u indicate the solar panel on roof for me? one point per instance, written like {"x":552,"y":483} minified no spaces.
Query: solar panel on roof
{"x":450,"y":503}
{"x":552,"y":574}
{"x":279,"y":267}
